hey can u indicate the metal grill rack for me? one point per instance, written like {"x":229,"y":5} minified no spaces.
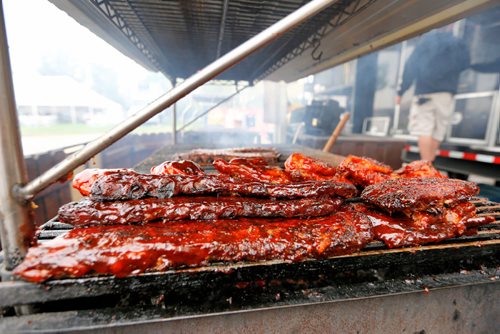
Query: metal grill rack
{"x":136,"y":28}
{"x":475,"y":251}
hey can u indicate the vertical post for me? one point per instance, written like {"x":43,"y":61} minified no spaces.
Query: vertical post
{"x":174,"y":119}
{"x":16,"y":223}
{"x":174,"y":124}
{"x":399,"y":79}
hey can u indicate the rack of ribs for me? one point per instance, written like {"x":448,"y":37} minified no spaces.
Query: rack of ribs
{"x":84,"y":180}
{"x":207,"y":156}
{"x":418,"y":194}
{"x":418,"y":168}
{"x":414,"y":211}
{"x":181,"y":167}
{"x":252,"y":170}
{"x":178,"y":216}
{"x":131,"y":185}
{"x":133,"y":249}
{"x":302,"y":167}
{"x":362,"y":171}
{"x":87,"y":212}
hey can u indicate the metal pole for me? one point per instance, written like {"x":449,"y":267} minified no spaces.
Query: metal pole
{"x":16,"y":220}
{"x":197,"y":117}
{"x":62,"y":169}
{"x":174,"y":117}
{"x":221,"y":28}
{"x":174,"y":125}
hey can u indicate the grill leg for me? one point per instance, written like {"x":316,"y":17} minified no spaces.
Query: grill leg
{"x":16,"y":223}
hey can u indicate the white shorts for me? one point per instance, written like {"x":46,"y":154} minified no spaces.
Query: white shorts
{"x":430,"y":115}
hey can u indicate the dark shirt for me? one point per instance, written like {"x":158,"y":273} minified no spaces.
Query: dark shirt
{"x":435,"y":64}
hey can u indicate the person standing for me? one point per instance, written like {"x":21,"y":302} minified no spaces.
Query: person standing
{"x":434,"y":66}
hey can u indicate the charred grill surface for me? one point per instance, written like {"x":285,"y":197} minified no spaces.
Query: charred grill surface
{"x":127,"y":250}
{"x":131,"y":185}
{"x":86,"y":212}
{"x":418,"y":194}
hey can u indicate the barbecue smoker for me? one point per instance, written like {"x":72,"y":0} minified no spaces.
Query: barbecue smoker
{"x":447,"y":287}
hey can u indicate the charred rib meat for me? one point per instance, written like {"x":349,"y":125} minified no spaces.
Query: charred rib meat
{"x":419,"y":194}
{"x":84,"y":180}
{"x":181,"y":167}
{"x":130,"y":250}
{"x":419,"y":168}
{"x":126,"y":185}
{"x":252,"y":170}
{"x":86,"y":212}
{"x":205,"y":156}
{"x":302,"y":167}
{"x":399,"y":230}
{"x":414,"y":211}
{"x":362,"y":171}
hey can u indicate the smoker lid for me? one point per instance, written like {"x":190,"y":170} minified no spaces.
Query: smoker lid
{"x":179,"y":37}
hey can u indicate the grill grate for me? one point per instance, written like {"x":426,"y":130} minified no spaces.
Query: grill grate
{"x":374,"y":271}
{"x":254,"y":285}
{"x":484,"y":207}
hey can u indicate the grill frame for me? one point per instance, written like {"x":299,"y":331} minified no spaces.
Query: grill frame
{"x":467,"y":261}
{"x":476,"y":251}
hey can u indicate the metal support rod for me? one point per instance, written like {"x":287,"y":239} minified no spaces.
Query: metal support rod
{"x":16,"y":226}
{"x":174,"y":117}
{"x":197,"y":117}
{"x":221,"y":28}
{"x":62,"y":169}
{"x":174,"y":124}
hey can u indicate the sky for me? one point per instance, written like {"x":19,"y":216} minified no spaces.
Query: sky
{"x":37,"y":27}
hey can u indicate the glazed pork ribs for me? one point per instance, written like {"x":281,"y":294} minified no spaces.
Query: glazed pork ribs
{"x":127,"y":197}
{"x":142,"y":211}
{"x":414,"y":211}
{"x":252,"y":170}
{"x":301,"y":167}
{"x":131,"y":185}
{"x":207,"y":156}
{"x":125,"y":250}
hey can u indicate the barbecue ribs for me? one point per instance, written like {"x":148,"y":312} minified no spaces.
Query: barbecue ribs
{"x":181,"y":167}
{"x":419,"y":168}
{"x":86,"y":212}
{"x":414,"y":211}
{"x":419,"y":194}
{"x":362,"y":171}
{"x":84,"y":180}
{"x":302,"y":167}
{"x":131,"y":185}
{"x":205,"y":156}
{"x":130,"y":250}
{"x":399,"y":230}
{"x":252,"y":170}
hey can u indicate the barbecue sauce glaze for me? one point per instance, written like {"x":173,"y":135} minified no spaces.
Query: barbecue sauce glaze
{"x":86,"y":213}
{"x":125,"y":186}
{"x":399,"y":230}
{"x":133,"y":249}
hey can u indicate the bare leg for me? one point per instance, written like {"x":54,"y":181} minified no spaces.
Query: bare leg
{"x":427,"y":146}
